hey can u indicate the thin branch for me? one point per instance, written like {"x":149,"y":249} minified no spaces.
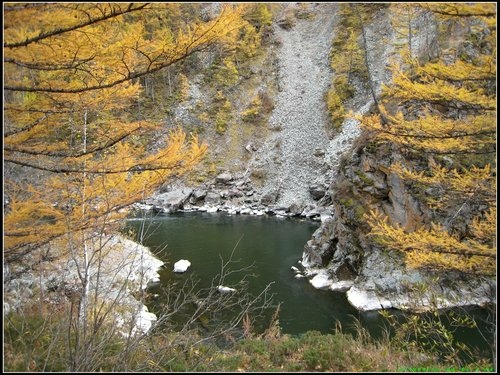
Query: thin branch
{"x":62,"y":154}
{"x":44,"y":35}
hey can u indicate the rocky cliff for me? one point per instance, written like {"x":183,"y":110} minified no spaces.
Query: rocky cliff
{"x":297,"y":168}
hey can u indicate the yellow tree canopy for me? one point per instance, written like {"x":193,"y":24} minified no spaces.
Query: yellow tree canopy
{"x":442,"y":115}
{"x":76,"y":151}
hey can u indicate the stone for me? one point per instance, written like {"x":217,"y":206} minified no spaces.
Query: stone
{"x":234,"y":193}
{"x":198,"y":195}
{"x":296,"y":208}
{"x":319,"y":152}
{"x":317,"y":191}
{"x":173,"y":200}
{"x":269,"y":198}
{"x":144,"y":320}
{"x":341,"y":286}
{"x":224,"y":178}
{"x":366,"y":300}
{"x":321,"y":281}
{"x":212,"y":198}
{"x":181,"y":266}
{"x":224,"y":289}
{"x":250,"y":147}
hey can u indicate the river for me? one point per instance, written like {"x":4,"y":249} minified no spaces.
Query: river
{"x":271,"y":246}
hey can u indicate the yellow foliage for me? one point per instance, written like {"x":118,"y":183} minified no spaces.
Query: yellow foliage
{"x":253,"y":111}
{"x":227,"y":74}
{"x":435,"y":248}
{"x":444,"y":108}
{"x":335,"y":107}
{"x":438,"y":92}
{"x":70,"y":80}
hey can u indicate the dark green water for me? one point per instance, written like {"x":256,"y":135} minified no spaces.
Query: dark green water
{"x":272,"y":245}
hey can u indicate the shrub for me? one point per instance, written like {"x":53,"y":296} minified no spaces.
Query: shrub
{"x":226,"y":73}
{"x":254,"y":110}
{"x":343,"y":88}
{"x":335,"y":107}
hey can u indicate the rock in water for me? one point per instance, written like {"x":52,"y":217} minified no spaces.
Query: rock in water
{"x":182,"y":265}
{"x":320,"y":281}
{"x":225,"y":289}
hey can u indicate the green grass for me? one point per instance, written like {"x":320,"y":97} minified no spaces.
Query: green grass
{"x":37,"y":342}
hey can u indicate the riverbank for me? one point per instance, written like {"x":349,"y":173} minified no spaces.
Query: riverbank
{"x":119,"y":273}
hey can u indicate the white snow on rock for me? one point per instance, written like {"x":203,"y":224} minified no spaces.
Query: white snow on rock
{"x":321,"y":281}
{"x":181,"y":266}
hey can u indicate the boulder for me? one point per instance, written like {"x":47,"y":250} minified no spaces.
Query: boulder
{"x":321,"y":281}
{"x":173,"y":200}
{"x":367,"y":300}
{"x":234,"y":193}
{"x":212,"y":198}
{"x":317,"y":191}
{"x":269,"y":198}
{"x":224,"y":178}
{"x":198,"y":195}
{"x":341,"y":286}
{"x":181,"y":266}
{"x":224,"y":289}
{"x":250,"y":147}
{"x":296,"y":208}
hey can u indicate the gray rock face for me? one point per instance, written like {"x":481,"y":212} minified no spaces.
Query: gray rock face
{"x":384,"y":282}
{"x":173,"y":200}
{"x":212,"y":198}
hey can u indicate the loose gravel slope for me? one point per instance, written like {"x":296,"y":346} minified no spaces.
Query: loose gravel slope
{"x":300,"y":114}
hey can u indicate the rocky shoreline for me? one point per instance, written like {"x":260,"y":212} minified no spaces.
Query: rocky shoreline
{"x":382,"y":282}
{"x":123,"y":273}
{"x":232,"y":195}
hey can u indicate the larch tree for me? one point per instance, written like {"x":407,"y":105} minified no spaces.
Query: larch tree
{"x":71,"y":75}
{"x":442,"y":116}
{"x":75,"y":153}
